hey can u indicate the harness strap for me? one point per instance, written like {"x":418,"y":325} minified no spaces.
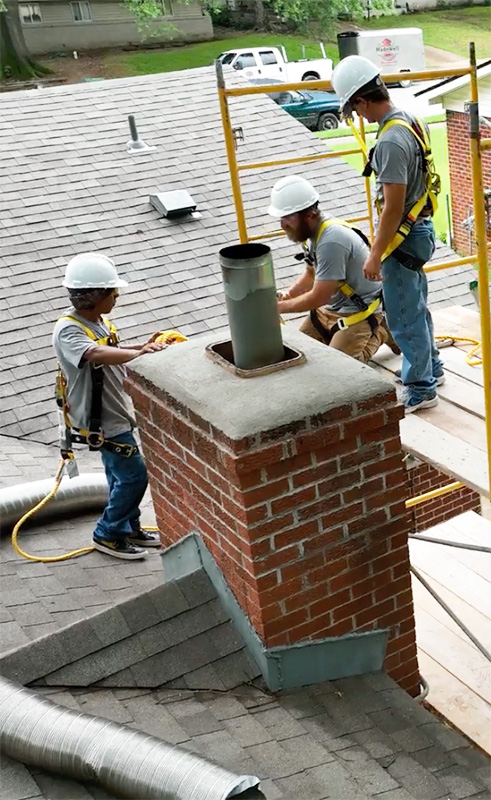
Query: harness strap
{"x":432,"y":181}
{"x":93,"y":436}
{"x":120,"y":448}
{"x":346,"y":322}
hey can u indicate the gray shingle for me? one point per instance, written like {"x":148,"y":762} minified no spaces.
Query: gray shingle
{"x":15,"y":781}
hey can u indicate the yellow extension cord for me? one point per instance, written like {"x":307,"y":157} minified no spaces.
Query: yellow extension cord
{"x":471,"y":359}
{"x":46,"y":559}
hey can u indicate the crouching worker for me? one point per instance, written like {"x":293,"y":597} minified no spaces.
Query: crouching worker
{"x":97,"y":409}
{"x":344,"y":307}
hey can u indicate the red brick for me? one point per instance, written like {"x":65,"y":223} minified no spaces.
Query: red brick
{"x":344,"y":514}
{"x":274,"y":525}
{"x":288,"y":466}
{"x":367,"y":422}
{"x":293,"y":500}
{"x":315,"y":440}
{"x":322,"y":540}
{"x":265,"y":492}
{"x":285,"y":623}
{"x":312,"y":629}
{"x":307,"y":597}
{"x":305,"y":532}
{"x":277,"y":559}
{"x":329,"y":603}
{"x":262,"y":457}
{"x":305,"y":568}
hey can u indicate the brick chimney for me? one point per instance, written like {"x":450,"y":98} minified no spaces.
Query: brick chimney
{"x":294,"y":483}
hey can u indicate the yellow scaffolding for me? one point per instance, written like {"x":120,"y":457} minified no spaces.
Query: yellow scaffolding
{"x":477,"y":146}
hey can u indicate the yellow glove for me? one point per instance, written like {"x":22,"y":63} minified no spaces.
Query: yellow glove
{"x":170,"y":337}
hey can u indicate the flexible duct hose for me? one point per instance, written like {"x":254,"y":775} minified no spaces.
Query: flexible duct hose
{"x":127,"y":763}
{"x":85,"y":493}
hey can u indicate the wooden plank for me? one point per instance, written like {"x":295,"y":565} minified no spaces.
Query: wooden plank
{"x":457,"y":321}
{"x":462,"y":659}
{"x":446,"y":452}
{"x":479,"y":563}
{"x":473,"y":527}
{"x":463,"y":582}
{"x":453,"y":420}
{"x":454,"y":361}
{"x":477,"y":623}
{"x":452,"y":698}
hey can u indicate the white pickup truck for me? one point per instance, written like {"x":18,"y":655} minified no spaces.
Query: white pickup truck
{"x":272,"y":62}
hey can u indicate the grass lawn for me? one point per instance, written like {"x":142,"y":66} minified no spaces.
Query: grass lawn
{"x":203,"y":54}
{"x":439,"y":146}
{"x":449,"y":29}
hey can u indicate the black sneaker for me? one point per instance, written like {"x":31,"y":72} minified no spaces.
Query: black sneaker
{"x":119,"y":548}
{"x":144,"y":538}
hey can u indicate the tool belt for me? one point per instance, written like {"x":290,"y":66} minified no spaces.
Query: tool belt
{"x":344,"y":322}
{"x":97,"y":442}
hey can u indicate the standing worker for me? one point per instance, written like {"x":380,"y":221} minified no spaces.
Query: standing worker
{"x":95,"y":405}
{"x":344,"y":307}
{"x":405,"y":238}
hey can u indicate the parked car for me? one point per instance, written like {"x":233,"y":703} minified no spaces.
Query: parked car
{"x":272,"y":62}
{"x":318,"y":111}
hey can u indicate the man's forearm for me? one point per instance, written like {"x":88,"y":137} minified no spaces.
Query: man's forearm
{"x":303,"y":284}
{"x":304,"y":302}
{"x":102,"y":354}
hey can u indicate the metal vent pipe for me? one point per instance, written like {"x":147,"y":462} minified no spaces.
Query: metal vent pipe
{"x":85,"y":493}
{"x":250,"y":294}
{"x":127,"y":763}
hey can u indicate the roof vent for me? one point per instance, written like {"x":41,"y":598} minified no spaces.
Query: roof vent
{"x":137,"y":146}
{"x":174,"y":205}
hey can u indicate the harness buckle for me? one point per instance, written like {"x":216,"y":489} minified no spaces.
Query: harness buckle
{"x":94,"y":440}
{"x":341,"y":324}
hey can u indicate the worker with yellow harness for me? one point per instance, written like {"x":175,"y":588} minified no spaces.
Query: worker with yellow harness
{"x":407,"y":188}
{"x":95,"y":406}
{"x":344,"y":307}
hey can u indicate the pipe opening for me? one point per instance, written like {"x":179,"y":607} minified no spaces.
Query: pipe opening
{"x":222,"y":353}
{"x":243,"y":252}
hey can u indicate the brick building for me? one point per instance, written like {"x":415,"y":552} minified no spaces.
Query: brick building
{"x":453,"y":95}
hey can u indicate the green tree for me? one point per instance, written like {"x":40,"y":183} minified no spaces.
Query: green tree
{"x":15,"y":61}
{"x":307,"y":12}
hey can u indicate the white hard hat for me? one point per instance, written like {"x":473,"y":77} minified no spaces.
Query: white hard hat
{"x":350,"y":75}
{"x":92,"y":271}
{"x":291,"y":194}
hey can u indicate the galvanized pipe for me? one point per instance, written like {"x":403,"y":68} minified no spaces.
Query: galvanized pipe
{"x":85,"y":493}
{"x":250,"y":294}
{"x":127,"y":763}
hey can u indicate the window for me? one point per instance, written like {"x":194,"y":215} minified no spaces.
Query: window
{"x":81,"y":11}
{"x":30,"y":13}
{"x":246,"y":60}
{"x":227,"y":59}
{"x":268,"y":57}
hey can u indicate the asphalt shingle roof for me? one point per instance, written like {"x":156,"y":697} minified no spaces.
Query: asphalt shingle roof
{"x":69,"y":185}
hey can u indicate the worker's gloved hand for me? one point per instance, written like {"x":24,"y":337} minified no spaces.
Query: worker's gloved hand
{"x":168,"y":337}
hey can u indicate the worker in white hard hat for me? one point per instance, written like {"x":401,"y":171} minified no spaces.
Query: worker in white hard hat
{"x":96,"y":408}
{"x":344,"y":307}
{"x":407,"y":186}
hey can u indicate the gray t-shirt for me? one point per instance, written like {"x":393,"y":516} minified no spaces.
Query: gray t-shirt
{"x":71,"y":342}
{"x":398,"y":159}
{"x":340,"y":255}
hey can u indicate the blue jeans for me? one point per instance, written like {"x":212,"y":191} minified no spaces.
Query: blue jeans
{"x":405,"y":299}
{"x":127,"y":479}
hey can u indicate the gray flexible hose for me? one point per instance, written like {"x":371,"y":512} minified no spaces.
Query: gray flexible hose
{"x":85,"y":493}
{"x":127,"y":763}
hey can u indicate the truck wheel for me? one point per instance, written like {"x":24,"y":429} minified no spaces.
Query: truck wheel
{"x":327,"y":122}
{"x":405,"y":83}
{"x":311,"y":76}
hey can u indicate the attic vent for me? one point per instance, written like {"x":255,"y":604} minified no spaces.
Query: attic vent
{"x":174,"y":205}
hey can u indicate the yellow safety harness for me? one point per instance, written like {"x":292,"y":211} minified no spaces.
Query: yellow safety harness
{"x":427,"y":202}
{"x":92,"y":436}
{"x":366,"y":312}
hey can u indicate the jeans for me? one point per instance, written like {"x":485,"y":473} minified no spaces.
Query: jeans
{"x":405,"y":294}
{"x":127,"y":479}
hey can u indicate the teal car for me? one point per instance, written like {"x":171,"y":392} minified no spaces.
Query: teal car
{"x":318,"y":111}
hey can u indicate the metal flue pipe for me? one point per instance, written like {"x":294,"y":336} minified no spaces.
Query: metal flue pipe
{"x":250,"y":294}
{"x":127,"y":763}
{"x":85,"y":493}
